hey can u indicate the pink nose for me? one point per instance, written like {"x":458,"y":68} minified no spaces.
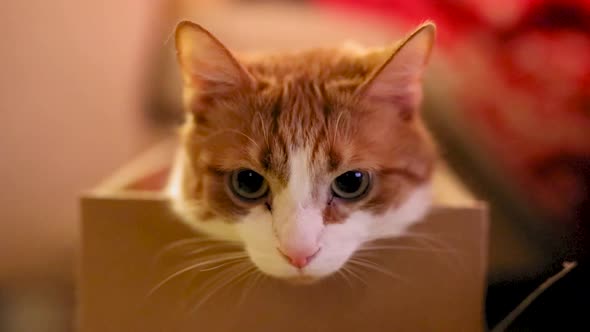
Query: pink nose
{"x":300,"y":259}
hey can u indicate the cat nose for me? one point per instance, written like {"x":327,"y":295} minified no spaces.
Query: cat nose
{"x":300,"y":259}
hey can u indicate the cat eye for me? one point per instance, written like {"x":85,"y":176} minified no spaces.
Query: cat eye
{"x":351,"y":185}
{"x":248,"y":185}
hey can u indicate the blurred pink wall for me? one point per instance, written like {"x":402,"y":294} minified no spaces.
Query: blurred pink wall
{"x":70,"y":100}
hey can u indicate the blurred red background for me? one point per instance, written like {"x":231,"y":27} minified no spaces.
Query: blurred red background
{"x":524,"y":73}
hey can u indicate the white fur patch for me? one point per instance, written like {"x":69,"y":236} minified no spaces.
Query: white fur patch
{"x":396,"y":221}
{"x":188,"y":210}
{"x":300,"y":185}
{"x":297,"y":220}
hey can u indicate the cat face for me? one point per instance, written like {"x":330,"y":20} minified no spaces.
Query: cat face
{"x":302,"y":157}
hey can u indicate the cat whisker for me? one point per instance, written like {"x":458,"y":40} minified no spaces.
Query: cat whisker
{"x":429,"y":238}
{"x":213,"y":279}
{"x":190,"y":240}
{"x":251,"y":278}
{"x":226,"y":248}
{"x":204,"y":261}
{"x":350,"y":270}
{"x":451,"y":254}
{"x":264,"y":132}
{"x":375,"y":267}
{"x":204,"y":245}
{"x":212,"y":251}
{"x":221,"y":285}
{"x":336,"y":128}
{"x":191,"y":267}
{"x":344,"y":277}
{"x":260,"y":278}
{"x":185,"y":242}
{"x":218,"y":266}
{"x":439,"y":244}
{"x":401,"y":248}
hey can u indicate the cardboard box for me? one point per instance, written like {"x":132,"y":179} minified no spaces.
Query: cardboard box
{"x":126,"y":225}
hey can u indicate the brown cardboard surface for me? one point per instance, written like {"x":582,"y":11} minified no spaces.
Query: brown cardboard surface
{"x":437,"y":287}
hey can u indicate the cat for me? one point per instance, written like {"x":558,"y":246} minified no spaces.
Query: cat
{"x":302,"y":157}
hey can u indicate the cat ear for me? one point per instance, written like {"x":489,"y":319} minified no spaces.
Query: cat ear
{"x":398,"y":80}
{"x":206,"y":63}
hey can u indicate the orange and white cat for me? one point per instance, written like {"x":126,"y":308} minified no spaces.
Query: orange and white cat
{"x":302,"y":157}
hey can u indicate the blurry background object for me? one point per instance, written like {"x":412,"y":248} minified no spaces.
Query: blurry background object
{"x":71,"y":105}
{"x":87,"y":85}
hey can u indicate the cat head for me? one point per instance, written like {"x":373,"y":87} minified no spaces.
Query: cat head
{"x":303,"y":157}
